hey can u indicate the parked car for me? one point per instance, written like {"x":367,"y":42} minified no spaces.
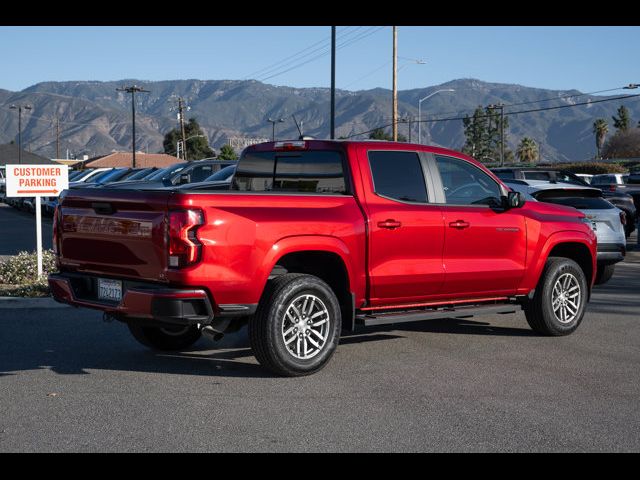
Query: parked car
{"x":221,"y":180}
{"x":585,"y":176}
{"x":318,"y":236}
{"x":618,"y":182}
{"x":609,"y":221}
{"x":177,"y":174}
{"x":623,"y":201}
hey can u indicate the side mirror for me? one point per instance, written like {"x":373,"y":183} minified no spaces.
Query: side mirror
{"x":184,"y":178}
{"x":513,"y":200}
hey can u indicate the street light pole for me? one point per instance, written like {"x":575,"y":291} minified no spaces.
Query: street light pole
{"x":420,"y":109}
{"x":273,"y":127}
{"x":132,"y":90}
{"x":19,"y":108}
{"x":333,"y":83}
{"x":394,"y":102}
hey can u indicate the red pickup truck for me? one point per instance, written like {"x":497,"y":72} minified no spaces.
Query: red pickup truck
{"x":314,"y":237}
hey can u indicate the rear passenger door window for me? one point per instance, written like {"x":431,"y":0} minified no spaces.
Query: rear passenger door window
{"x":465,"y":184}
{"x":398,"y":176}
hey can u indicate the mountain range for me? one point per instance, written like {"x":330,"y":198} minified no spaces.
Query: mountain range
{"x":95,"y":119}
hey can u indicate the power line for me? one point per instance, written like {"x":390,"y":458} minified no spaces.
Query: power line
{"x":326,"y":51}
{"x":436,"y":120}
{"x":319,"y":46}
{"x":460,"y":112}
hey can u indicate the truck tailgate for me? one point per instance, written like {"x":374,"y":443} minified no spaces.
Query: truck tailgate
{"x":114,"y":232}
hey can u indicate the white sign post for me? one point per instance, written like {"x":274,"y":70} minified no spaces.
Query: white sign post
{"x":37,"y":181}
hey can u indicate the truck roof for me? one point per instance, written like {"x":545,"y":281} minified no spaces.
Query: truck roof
{"x":317,"y":144}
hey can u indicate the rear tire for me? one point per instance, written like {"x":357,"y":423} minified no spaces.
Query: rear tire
{"x":296,"y":328}
{"x":604,"y":273}
{"x":560,"y":298}
{"x":169,"y":338}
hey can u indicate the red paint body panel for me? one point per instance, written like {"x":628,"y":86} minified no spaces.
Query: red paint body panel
{"x":424,"y":261}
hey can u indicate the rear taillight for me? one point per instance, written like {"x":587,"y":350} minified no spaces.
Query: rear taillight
{"x":612,"y":187}
{"x":56,"y":224}
{"x":623,"y":218}
{"x":184,"y":246}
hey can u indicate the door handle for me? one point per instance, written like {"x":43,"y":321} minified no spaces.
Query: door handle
{"x":390,"y":224}
{"x":459,"y":224}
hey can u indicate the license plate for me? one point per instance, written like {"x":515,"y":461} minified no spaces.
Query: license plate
{"x":109,"y":289}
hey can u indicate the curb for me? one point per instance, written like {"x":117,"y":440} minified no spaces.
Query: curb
{"x":21,"y":302}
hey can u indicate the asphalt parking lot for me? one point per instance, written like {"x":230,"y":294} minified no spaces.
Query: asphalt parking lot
{"x":18,"y":231}
{"x":71,"y":382}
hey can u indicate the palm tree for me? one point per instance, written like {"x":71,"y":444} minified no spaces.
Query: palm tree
{"x":600,"y":130}
{"x":527,"y":150}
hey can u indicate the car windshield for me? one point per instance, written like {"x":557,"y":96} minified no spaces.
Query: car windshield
{"x":222,"y":174}
{"x":145,"y":172}
{"x":167,"y":173}
{"x":99,"y":177}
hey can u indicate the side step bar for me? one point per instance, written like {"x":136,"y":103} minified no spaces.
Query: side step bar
{"x":451,"y":312}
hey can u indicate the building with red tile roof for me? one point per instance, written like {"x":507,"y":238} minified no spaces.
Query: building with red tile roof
{"x":124,"y":159}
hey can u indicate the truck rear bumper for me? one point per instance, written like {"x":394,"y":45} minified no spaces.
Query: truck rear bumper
{"x":140,"y":301}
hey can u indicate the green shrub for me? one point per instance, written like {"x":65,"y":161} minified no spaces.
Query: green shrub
{"x":23,"y":268}
{"x":593,"y":168}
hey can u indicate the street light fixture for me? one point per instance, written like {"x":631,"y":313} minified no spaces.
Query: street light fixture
{"x":631,"y":86}
{"x":420,"y":109}
{"x":132,"y":90}
{"x":19,"y":108}
{"x":273,"y":127}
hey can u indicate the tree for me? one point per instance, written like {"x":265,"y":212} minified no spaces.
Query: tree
{"x":527,"y":151}
{"x":475,"y":131}
{"x":227,"y":153}
{"x":197,"y":143}
{"x":483,"y":134}
{"x":623,"y":120}
{"x":623,"y":145}
{"x":600,"y":130}
{"x":380,"y":134}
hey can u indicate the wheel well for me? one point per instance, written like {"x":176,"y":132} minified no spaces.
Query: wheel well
{"x":579,"y":253}
{"x":327,"y":266}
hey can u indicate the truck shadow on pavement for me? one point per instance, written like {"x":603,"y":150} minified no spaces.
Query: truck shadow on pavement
{"x":62,"y":347}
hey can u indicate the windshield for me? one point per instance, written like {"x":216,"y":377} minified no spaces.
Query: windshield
{"x":142,"y":174}
{"x":222,"y":174}
{"x":167,"y":173}
{"x":99,"y":176}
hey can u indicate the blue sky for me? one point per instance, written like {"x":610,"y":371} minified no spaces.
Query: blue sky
{"x":585,"y":58}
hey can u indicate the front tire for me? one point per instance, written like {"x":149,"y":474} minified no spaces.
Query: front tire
{"x":296,"y":328}
{"x":169,"y":338}
{"x":559,"y":302}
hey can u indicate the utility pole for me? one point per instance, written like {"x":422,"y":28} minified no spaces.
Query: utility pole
{"x":133,"y":90}
{"x":183,"y":133}
{"x":501,"y":107}
{"x":395,"y":85}
{"x":57,"y":137}
{"x":19,"y":108}
{"x":333,"y":83}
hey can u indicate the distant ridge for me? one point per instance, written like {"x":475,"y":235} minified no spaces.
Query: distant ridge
{"x":95,"y":119}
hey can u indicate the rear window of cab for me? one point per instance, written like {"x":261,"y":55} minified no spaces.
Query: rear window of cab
{"x":317,"y":171}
